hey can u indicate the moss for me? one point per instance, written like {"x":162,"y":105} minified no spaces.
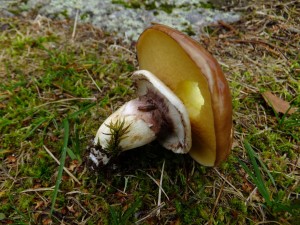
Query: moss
{"x":238,"y":205}
{"x":5,"y":207}
{"x":25,"y":202}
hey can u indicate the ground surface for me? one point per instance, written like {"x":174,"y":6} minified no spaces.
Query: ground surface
{"x":50,"y":106}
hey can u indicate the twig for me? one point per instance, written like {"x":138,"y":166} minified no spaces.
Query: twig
{"x":37,"y":189}
{"x":66,"y":100}
{"x":228,"y":26}
{"x":268,"y":222}
{"x":76,"y":192}
{"x":160,"y":188}
{"x":75,"y":24}
{"x":289,"y":28}
{"x":94,"y":82}
{"x":265,"y":44}
{"x":121,"y":47}
{"x":65,"y":169}
{"x":250,"y":195}
{"x":78,"y":203}
{"x":158,"y":185}
{"x":7,"y":173}
{"x":151,"y":213}
{"x":125,"y":185}
{"x":231,"y":185}
{"x":216,"y":202}
{"x":260,"y":13}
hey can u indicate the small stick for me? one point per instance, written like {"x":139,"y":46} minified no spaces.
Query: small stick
{"x":121,"y":47}
{"x":75,"y":24}
{"x":65,"y":169}
{"x":250,"y":195}
{"x":231,"y":185}
{"x":228,"y":26}
{"x":151,"y":213}
{"x":160,"y":188}
{"x":37,"y":189}
{"x":78,"y":203}
{"x":94,"y":82}
{"x":66,"y":100}
{"x":216,"y":203}
{"x":268,"y":46}
{"x":158,"y":185}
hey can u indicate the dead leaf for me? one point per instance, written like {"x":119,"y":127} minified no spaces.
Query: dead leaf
{"x":47,"y":221}
{"x":11,"y":159}
{"x":247,"y":186}
{"x":71,"y":208}
{"x":2,"y":193}
{"x":64,"y":211}
{"x":176,"y":222}
{"x":279,"y":105}
{"x":74,"y":164}
{"x":256,"y":197}
{"x":37,"y":186}
{"x":38,"y":205}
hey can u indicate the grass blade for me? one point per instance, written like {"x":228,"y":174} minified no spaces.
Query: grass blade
{"x":76,"y":147}
{"x":71,"y":154}
{"x":84,"y":109}
{"x":37,"y":125}
{"x":129,"y":212}
{"x":256,"y":175}
{"x":267,"y":171}
{"x":114,"y":216}
{"x":62,"y":163}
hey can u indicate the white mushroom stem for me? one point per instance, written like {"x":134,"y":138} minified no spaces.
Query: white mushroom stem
{"x":139,"y":125}
{"x":156,"y":114}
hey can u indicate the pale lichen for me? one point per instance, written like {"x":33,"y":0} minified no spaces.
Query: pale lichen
{"x":127,"y":23}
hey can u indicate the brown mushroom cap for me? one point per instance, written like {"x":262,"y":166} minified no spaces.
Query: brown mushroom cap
{"x":192,"y":73}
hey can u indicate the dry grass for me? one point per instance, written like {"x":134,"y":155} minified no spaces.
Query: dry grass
{"x":48,"y":74}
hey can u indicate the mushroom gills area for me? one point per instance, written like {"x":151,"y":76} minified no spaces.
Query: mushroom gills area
{"x":175,"y":130}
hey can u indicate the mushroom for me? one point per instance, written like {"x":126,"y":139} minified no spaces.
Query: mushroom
{"x":183,"y":100}
{"x":156,"y":114}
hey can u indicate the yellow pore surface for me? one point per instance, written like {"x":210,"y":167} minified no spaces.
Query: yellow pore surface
{"x":165,"y":58}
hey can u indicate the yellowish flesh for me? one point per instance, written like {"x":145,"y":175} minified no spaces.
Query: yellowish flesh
{"x":164,"y":57}
{"x":190,"y":94}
